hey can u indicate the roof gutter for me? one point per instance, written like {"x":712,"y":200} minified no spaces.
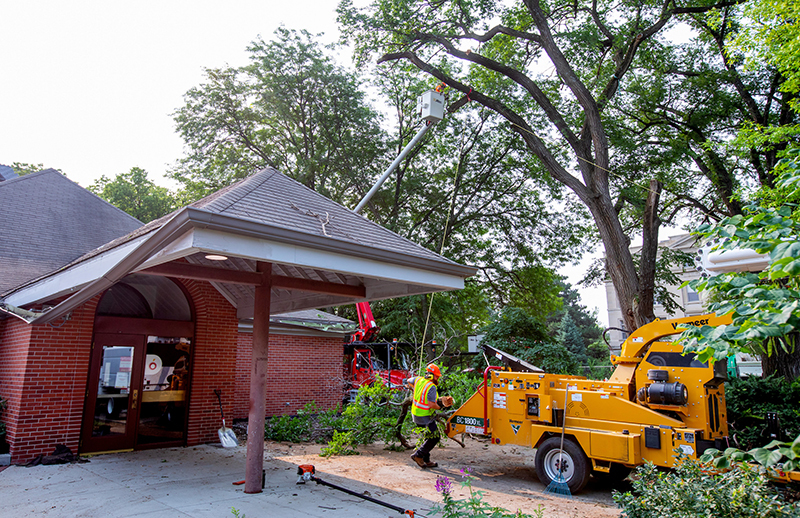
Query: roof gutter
{"x":223,"y":223}
{"x":190,"y":217}
{"x":24,"y":314}
{"x":166,"y":233}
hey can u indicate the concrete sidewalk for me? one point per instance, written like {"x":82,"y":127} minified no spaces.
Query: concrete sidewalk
{"x":183,"y":482}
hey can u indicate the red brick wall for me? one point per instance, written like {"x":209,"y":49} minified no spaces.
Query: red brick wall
{"x":44,"y":369}
{"x":14,"y":338}
{"x":46,"y":378}
{"x":300,"y":369}
{"x":214,"y":361}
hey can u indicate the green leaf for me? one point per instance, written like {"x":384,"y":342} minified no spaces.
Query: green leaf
{"x":793,"y":268}
{"x":760,"y":455}
{"x":721,"y":462}
{"x":774,"y":458}
{"x":796,"y":446}
{"x":739,"y":456}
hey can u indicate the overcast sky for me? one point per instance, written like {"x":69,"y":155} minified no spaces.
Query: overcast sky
{"x":88,"y":87}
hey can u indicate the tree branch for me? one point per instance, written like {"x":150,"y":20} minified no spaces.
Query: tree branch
{"x":518,"y":124}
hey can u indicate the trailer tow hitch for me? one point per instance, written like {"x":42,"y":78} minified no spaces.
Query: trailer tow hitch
{"x":306,"y":472}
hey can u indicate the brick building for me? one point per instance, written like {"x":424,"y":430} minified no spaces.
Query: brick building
{"x":114,"y":335}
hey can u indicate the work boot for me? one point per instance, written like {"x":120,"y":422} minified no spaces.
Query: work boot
{"x":419,"y":460}
{"x":430,"y":464}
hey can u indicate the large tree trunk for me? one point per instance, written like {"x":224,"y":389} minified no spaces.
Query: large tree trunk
{"x":634,"y":289}
{"x":589,"y":146}
{"x":782,"y":363}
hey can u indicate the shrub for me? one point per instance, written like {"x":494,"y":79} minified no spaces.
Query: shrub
{"x":327,"y":424}
{"x":340,"y":444}
{"x":291,"y":428}
{"x":775,"y":456}
{"x":692,"y":490}
{"x":373,"y":416}
{"x":749,"y":399}
{"x":287,"y":428}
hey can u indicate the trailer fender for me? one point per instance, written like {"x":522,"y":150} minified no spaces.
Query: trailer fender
{"x":539,"y":434}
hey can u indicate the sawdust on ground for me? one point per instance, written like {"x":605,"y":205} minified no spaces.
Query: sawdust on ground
{"x":504,"y":473}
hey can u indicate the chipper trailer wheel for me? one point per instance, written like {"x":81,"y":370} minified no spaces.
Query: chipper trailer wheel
{"x":571,"y":462}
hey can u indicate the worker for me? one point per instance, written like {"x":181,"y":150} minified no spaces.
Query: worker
{"x":426,"y":401}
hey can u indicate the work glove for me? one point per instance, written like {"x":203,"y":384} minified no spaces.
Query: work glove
{"x":445,"y":401}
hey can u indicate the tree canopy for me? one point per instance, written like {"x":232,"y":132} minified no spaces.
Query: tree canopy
{"x":291,"y":108}
{"x":551,"y":72}
{"x":765,"y":306}
{"x":136,"y":194}
{"x":468,"y":190}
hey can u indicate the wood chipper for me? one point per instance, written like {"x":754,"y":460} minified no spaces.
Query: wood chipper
{"x":656,"y":401}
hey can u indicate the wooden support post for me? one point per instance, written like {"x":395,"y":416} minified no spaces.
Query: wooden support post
{"x":258,"y":382}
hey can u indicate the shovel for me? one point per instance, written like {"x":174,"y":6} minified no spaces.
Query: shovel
{"x":226,"y":435}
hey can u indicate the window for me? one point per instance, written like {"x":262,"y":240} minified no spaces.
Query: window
{"x":691,"y":295}
{"x":623,"y":334}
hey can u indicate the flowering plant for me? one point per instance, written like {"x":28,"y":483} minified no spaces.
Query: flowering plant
{"x":472,"y":505}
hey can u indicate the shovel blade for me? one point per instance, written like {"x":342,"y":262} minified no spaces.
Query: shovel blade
{"x":227,"y":438}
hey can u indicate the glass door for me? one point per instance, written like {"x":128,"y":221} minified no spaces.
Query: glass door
{"x":165,"y":385}
{"x":113,"y":393}
{"x":137,"y":394}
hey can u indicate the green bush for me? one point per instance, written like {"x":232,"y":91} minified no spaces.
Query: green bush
{"x":775,"y":456}
{"x":749,"y":399}
{"x":460,"y":385}
{"x":373,"y":416}
{"x":327,"y":423}
{"x":287,"y":428}
{"x":292,"y":428}
{"x":340,"y":444}
{"x":692,"y":490}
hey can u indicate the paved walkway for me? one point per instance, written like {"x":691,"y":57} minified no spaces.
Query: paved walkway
{"x":183,"y":482}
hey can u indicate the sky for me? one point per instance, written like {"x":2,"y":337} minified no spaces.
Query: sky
{"x":88,"y":87}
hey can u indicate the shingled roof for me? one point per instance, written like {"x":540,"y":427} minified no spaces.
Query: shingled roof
{"x":270,"y":218}
{"x":48,"y":222}
{"x":273,"y":198}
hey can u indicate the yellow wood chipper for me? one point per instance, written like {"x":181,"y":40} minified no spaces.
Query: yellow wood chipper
{"x":656,"y":401}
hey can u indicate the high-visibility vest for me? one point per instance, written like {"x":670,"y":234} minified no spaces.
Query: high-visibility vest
{"x":421,"y":406}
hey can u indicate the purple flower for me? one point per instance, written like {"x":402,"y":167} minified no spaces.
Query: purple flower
{"x":465,"y":472}
{"x":443,"y":485}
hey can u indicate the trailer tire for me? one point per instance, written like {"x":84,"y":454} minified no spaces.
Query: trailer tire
{"x":618,"y":472}
{"x":572,"y":462}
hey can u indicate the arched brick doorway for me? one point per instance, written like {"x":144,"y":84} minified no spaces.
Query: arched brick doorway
{"x":140,"y":368}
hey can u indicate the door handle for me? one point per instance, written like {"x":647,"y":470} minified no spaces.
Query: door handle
{"x":135,"y":399}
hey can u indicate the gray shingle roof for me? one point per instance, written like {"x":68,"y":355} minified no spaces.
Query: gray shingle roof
{"x":6,"y":173}
{"x":272,"y":198}
{"x":49,"y":221}
{"x":266,"y":217}
{"x":275,"y":199}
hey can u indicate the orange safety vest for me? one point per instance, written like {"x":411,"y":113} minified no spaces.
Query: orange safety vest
{"x":421,"y":406}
